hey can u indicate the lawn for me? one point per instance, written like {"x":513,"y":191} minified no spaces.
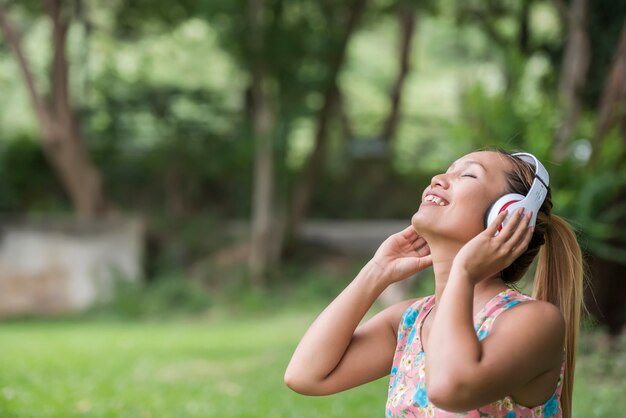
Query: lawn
{"x":206,"y":368}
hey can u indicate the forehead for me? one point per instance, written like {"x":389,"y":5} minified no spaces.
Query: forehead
{"x":492,"y":162}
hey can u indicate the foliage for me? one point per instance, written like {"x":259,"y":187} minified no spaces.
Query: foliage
{"x":27,"y":183}
{"x":605,"y":24}
{"x":178,"y":142}
{"x":597,"y":204}
{"x":187,"y":152}
{"x":165,"y":297}
{"x":585,"y":187}
{"x":165,"y":105}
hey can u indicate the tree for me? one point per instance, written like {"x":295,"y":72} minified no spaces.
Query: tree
{"x":606,"y":302}
{"x":612,"y":106}
{"x":513,"y":45}
{"x":296,"y":50}
{"x":573,"y":72}
{"x":62,"y":140}
{"x":331,"y":99}
{"x":262,"y":253}
{"x":333,"y":106}
{"x":407,"y":17}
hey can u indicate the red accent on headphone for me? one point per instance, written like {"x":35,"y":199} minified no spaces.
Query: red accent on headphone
{"x":504,"y":208}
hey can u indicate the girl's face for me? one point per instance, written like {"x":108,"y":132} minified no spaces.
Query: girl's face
{"x":454,"y":204}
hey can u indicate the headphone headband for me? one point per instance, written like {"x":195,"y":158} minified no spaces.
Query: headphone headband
{"x":539,"y":189}
{"x":540,"y":171}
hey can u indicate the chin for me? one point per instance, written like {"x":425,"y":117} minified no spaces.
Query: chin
{"x":461,"y":230}
{"x":420,"y":223}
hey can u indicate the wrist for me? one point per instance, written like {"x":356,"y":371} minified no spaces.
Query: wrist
{"x":373,"y":276}
{"x":460,"y":272}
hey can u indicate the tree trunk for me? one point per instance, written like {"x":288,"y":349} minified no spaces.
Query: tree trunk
{"x":63,"y":147}
{"x":61,"y":139}
{"x":261,"y":255}
{"x":573,"y":74}
{"x":304,"y":188}
{"x":613,"y":102}
{"x":524,"y":28}
{"x":407,"y":18}
{"x":347,"y":132}
{"x":305,"y":185}
{"x":605,"y":298}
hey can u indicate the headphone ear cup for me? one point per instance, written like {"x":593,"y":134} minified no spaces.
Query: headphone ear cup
{"x":487,"y":213}
{"x":499,"y":205}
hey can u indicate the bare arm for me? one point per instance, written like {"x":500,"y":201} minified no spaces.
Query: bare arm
{"x":336,"y":353}
{"x":464,"y":373}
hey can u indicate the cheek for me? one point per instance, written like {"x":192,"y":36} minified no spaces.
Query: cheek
{"x":477,"y":201}
{"x":470,"y":212}
{"x":480,"y":199}
{"x":469,"y":219}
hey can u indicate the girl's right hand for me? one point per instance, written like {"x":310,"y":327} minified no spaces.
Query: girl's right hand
{"x":402,"y":255}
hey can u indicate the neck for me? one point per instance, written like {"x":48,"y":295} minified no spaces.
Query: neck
{"x":443,"y":255}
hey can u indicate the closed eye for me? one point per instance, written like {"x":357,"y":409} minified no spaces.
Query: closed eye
{"x":469,"y":175}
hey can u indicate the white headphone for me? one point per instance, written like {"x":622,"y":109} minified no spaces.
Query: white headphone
{"x":533,"y":199}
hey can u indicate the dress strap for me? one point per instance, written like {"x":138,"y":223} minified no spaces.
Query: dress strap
{"x":412,"y":316}
{"x":483,"y":322}
{"x":559,"y":385}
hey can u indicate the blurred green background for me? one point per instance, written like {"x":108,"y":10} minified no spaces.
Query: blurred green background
{"x":240,"y":135}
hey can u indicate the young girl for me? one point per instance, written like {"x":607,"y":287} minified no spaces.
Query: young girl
{"x":447,"y":353}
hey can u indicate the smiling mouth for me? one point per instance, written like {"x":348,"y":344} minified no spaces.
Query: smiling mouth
{"x":436,"y":200}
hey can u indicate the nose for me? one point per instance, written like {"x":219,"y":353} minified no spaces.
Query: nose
{"x":439,"y":180}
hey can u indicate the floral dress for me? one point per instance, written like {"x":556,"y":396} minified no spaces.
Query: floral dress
{"x":408,"y":396}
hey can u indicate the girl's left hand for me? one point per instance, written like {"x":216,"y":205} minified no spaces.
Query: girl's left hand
{"x":487,"y":253}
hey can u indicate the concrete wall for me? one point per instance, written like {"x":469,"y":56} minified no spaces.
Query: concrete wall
{"x":51,"y":267}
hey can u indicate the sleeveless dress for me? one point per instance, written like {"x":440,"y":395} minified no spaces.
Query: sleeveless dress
{"x":408,"y":396}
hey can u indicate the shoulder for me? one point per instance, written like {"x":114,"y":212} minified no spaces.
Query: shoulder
{"x":541,"y":314}
{"x":534,"y":323}
{"x":403,"y":313}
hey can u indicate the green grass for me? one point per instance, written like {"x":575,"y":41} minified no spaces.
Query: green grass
{"x":206,"y":368}
{"x":175,"y":369}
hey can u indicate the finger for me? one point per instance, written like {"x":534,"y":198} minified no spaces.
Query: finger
{"x":418,"y":243}
{"x":529,"y":235}
{"x":423,"y":251}
{"x":423,"y":262}
{"x":409,"y":233}
{"x":522,"y":228}
{"x":411,"y":265}
{"x":523,"y":245}
{"x":419,"y":240}
{"x":511,"y":226}
{"x":493,"y":228}
{"x":426,"y":261}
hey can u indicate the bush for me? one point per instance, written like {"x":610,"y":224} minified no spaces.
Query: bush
{"x":169,"y":296}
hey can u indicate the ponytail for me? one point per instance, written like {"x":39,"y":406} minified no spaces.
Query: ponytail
{"x":559,"y":280}
{"x":559,"y":274}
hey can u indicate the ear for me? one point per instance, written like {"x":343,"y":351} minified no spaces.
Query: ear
{"x":503,"y":203}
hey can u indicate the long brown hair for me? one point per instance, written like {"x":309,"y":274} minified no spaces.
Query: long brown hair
{"x":559,"y":274}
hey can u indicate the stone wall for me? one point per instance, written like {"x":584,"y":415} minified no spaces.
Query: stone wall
{"x":52,"y":266}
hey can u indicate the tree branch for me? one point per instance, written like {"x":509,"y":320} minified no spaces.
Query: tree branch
{"x":407,"y":20}
{"x":15,"y":42}
{"x":614,"y":92}
{"x":60,"y":67}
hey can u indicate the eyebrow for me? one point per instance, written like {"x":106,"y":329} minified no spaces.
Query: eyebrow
{"x":468,"y":162}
